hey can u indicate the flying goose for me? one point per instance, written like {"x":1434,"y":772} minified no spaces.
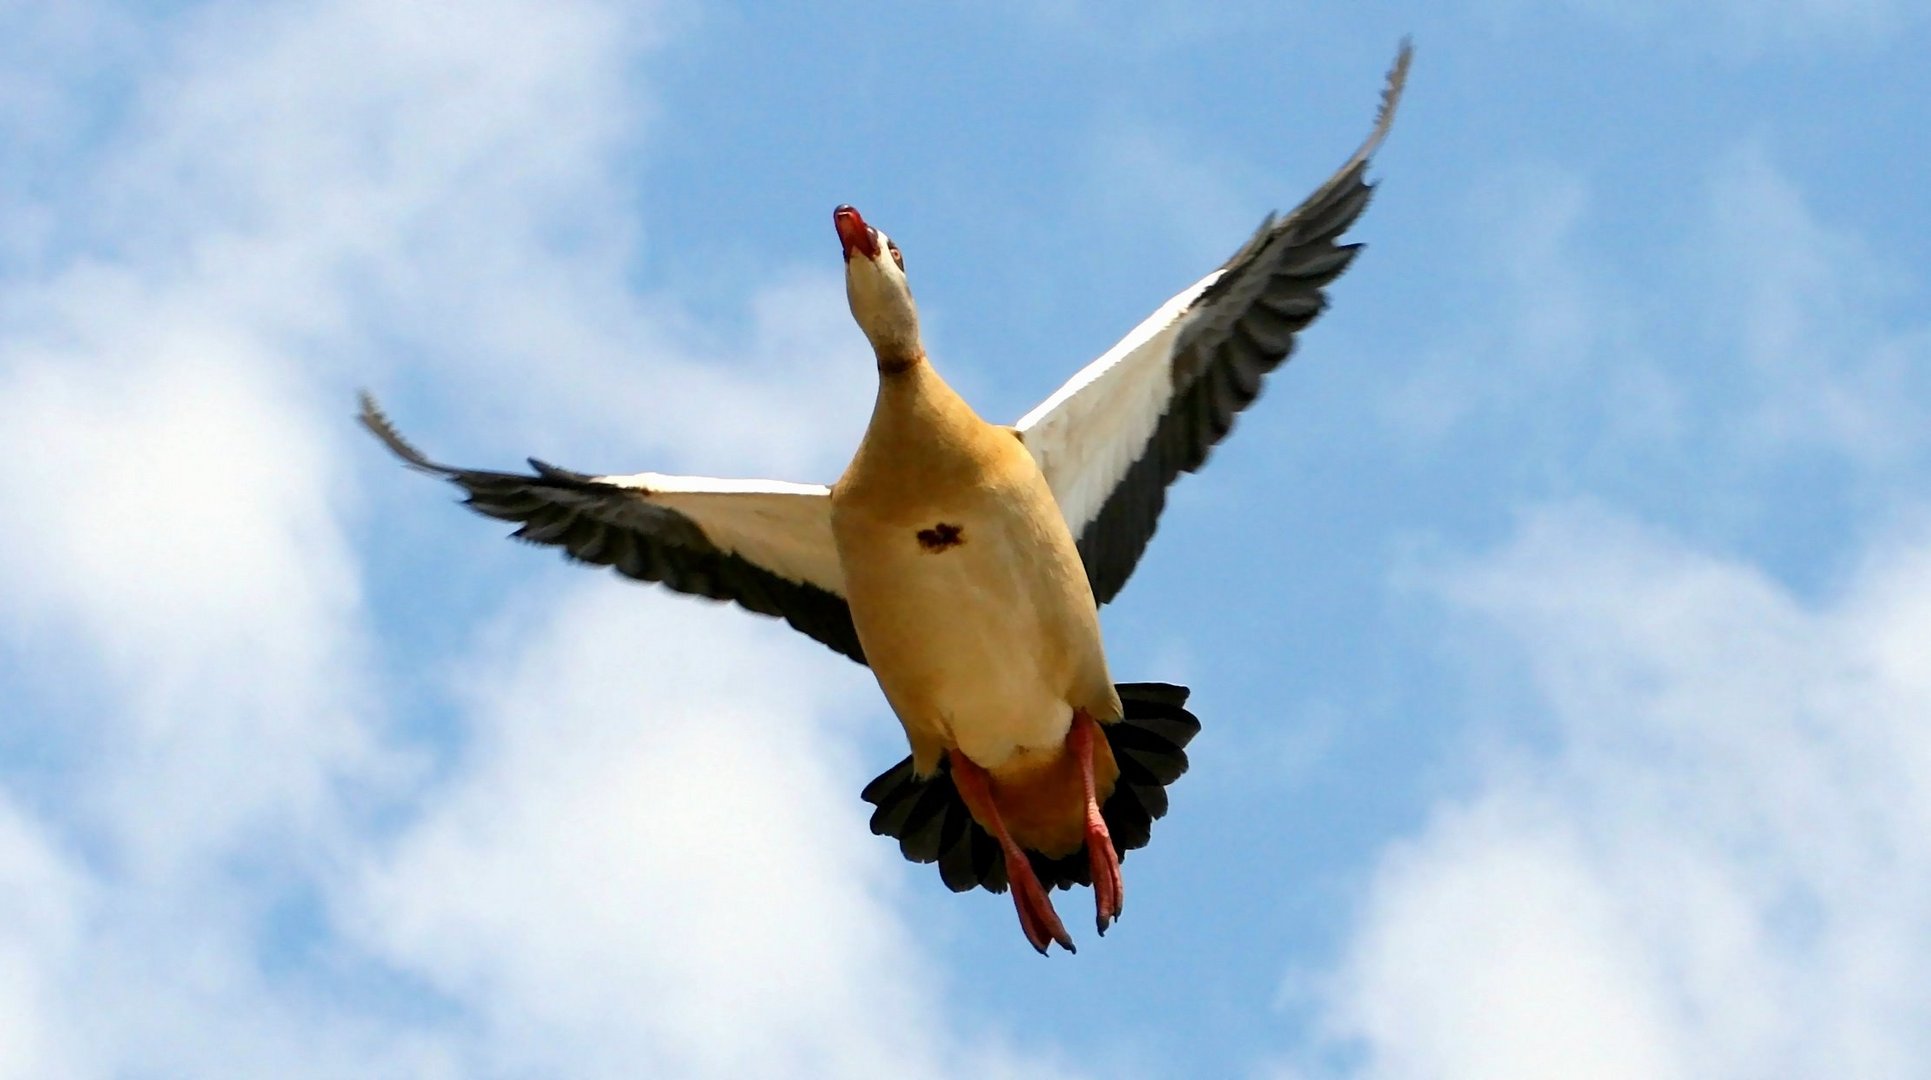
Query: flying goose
{"x":965,"y":561}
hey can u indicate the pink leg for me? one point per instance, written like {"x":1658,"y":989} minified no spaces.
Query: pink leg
{"x":1036,"y":915}
{"x":1109,"y":894}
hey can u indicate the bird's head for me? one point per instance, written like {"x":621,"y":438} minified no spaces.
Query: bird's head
{"x":881,"y":299}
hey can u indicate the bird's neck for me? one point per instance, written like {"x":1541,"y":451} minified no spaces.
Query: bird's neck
{"x":900,"y":362}
{"x":923,"y":439}
{"x":915,"y":404}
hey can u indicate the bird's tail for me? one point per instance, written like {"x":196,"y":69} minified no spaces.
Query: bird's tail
{"x":931,"y":823}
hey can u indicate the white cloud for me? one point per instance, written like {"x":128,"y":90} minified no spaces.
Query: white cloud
{"x":1707,"y":852}
{"x":1555,"y":350}
{"x":1806,"y":304}
{"x":179,"y":491}
{"x":230,"y":863}
{"x":1767,"y":336}
{"x":653,"y":860}
{"x":41,"y":905}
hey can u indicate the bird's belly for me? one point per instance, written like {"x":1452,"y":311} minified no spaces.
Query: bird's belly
{"x":973,"y":636}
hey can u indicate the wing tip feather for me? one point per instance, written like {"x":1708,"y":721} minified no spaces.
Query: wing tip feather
{"x":1384,"y":118}
{"x":371,"y":416}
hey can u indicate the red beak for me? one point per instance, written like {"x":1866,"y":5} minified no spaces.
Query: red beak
{"x":853,"y":233}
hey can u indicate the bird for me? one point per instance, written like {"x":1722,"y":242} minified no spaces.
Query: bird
{"x":965,"y":561}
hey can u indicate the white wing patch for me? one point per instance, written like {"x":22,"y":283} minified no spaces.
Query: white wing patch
{"x":780,"y":526}
{"x":1090,"y":432}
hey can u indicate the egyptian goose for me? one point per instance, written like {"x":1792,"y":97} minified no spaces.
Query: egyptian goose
{"x":965,"y":561}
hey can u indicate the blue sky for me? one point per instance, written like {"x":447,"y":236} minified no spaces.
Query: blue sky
{"x":1556,"y":618}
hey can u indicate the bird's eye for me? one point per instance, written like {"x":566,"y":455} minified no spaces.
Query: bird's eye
{"x":896,"y":257}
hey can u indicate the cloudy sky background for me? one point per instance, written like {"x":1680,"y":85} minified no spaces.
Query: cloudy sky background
{"x":1557,"y":619}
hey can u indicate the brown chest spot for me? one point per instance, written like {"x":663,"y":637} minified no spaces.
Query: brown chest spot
{"x":941,"y":536}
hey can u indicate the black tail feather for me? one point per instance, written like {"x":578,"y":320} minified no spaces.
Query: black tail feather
{"x":931,"y":823}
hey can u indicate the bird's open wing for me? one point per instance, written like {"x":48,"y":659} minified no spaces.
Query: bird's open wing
{"x":763,"y":544}
{"x":1113,"y":438}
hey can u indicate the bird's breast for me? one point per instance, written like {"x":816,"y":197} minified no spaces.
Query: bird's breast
{"x":975,"y":614}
